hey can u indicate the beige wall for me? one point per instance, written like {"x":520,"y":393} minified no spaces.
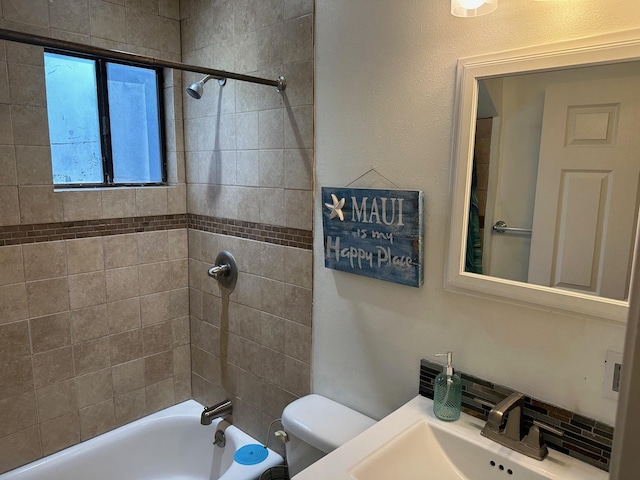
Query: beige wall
{"x":94,"y":332}
{"x":385,"y":75}
{"x":249,"y":156}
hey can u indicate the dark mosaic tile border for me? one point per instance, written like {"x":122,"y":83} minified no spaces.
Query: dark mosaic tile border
{"x":49,"y":232}
{"x":584,"y":438}
{"x":288,"y":237}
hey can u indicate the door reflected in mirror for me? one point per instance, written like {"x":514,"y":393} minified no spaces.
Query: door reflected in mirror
{"x":546,"y":149}
{"x":557,"y":162}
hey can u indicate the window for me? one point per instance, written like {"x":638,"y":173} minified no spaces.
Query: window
{"x":105,"y":124}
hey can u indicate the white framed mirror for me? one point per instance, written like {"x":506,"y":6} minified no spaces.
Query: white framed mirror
{"x":538,"y":139}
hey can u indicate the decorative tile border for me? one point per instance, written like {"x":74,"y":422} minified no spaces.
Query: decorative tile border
{"x":584,"y":438}
{"x":289,"y":237}
{"x":49,"y":232}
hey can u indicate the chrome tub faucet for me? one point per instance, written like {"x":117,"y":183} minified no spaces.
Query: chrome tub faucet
{"x":218,"y":410}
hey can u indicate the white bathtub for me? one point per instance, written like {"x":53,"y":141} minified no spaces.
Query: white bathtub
{"x":168,"y":445}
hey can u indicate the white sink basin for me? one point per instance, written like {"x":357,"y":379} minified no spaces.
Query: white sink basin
{"x":411,"y":444}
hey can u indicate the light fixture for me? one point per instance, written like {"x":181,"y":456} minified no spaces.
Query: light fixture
{"x":472,"y":8}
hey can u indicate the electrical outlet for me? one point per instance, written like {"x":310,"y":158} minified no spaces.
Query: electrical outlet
{"x":612,"y":371}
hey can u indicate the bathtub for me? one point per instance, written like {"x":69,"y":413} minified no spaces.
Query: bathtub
{"x":167,"y":445}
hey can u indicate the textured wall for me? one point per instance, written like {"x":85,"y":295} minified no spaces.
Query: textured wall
{"x":94,"y":328}
{"x":385,"y":81}
{"x":249,"y":157}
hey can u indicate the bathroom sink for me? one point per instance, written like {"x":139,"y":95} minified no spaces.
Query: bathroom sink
{"x":412,"y":444}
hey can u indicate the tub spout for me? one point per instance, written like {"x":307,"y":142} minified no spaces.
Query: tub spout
{"x":216,"y":411}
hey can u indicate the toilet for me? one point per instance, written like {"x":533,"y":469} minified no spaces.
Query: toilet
{"x":315,"y":426}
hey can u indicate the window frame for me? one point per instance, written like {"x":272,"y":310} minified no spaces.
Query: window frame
{"x":104,"y":121}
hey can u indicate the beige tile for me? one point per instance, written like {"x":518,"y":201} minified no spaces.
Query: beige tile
{"x":17,"y":413}
{"x":11,"y":265}
{"x":88,"y":323}
{"x":118,"y":203}
{"x":96,"y":419}
{"x":298,"y":128}
{"x":13,"y":299}
{"x":158,"y":367}
{"x":16,"y":375}
{"x":298,"y":169}
{"x":297,"y":377}
{"x":155,"y":308}
{"x":298,"y":341}
{"x":179,"y":273}
{"x":245,"y":354}
{"x":126,"y":346}
{"x":44,"y":260}
{"x":10,"y":211}
{"x":26,"y":85}
{"x":107,"y":20}
{"x":85,"y":255}
{"x":160,"y":395}
{"x":177,"y":199}
{"x":271,"y":129}
{"x":94,"y":388}
{"x":273,"y":332}
{"x":33,"y":165}
{"x":206,"y":365}
{"x":19,"y":448}
{"x":169,"y":9}
{"x":40,"y":204}
{"x":182,"y":387}
{"x":297,"y":8}
{"x":46,"y":297}
{"x":179,"y":303}
{"x":4,"y":83}
{"x":123,"y":315}
{"x":142,"y":29}
{"x":271,"y":201}
{"x":35,"y":12}
{"x":156,"y":338}
{"x":297,"y":45}
{"x":52,"y":367}
{"x":60,"y":433}
{"x":247,"y":131}
{"x":122,"y":283}
{"x":153,"y":246}
{"x":6,"y":128}
{"x":212,"y":309}
{"x":298,"y":209}
{"x":56,"y":400}
{"x":50,"y":332}
{"x":271,"y":168}
{"x":120,"y":251}
{"x":273,"y":297}
{"x":273,"y":366}
{"x":91,"y":356}
{"x":70,"y":16}
{"x":275,"y":399}
{"x":81,"y":205}
{"x":180,"y":331}
{"x":14,"y":339}
{"x":270,"y":47}
{"x":128,"y":376}
{"x":23,"y":53}
{"x":181,"y":359}
{"x":151,"y":201}
{"x":177,"y":245}
{"x":154,"y":277}
{"x":87,"y":289}
{"x":30,"y":125}
{"x":297,"y":304}
{"x":130,"y":406}
{"x":8,"y":172}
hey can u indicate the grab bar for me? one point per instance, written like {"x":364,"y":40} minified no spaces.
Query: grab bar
{"x":501,"y":227}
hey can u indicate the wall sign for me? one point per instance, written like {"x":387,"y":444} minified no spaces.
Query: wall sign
{"x":375,"y":233}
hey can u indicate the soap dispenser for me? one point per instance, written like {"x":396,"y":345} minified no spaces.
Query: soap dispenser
{"x":447,"y":392}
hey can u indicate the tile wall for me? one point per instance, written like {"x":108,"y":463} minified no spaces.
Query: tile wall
{"x":94,"y":326}
{"x":249,"y":157}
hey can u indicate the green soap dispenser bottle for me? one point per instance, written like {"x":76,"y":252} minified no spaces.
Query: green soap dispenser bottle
{"x":447,"y":392}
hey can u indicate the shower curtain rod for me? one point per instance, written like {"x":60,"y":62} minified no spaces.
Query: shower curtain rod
{"x":64,"y":45}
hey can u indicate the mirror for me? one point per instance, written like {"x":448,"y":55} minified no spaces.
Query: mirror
{"x":546,"y":149}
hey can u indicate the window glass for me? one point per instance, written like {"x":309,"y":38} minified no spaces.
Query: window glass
{"x":74,"y":130}
{"x":134,"y":118}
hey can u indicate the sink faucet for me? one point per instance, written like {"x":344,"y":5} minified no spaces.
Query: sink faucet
{"x":504,"y":426}
{"x":216,"y":411}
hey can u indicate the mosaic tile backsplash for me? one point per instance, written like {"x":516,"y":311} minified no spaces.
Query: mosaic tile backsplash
{"x":584,"y":438}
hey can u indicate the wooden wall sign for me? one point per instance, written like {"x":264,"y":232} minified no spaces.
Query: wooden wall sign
{"x":375,"y":233}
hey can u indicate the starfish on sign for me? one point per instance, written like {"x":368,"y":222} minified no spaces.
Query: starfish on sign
{"x":336,"y":208}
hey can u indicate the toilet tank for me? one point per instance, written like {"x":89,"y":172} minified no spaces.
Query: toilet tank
{"x":317,"y":425}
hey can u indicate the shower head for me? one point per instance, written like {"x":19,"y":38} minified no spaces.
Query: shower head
{"x":196,"y":89}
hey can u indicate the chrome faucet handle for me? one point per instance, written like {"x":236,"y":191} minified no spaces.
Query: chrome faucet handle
{"x":535,"y":442}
